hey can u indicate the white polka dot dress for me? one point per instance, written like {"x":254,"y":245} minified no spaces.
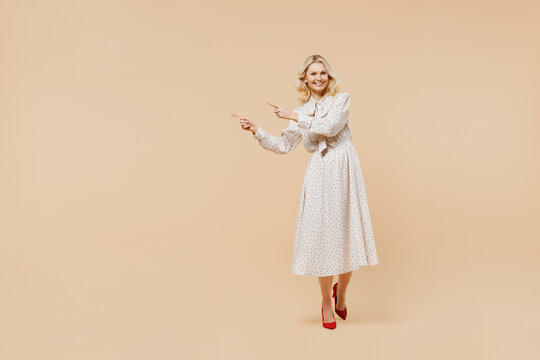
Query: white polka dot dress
{"x":333,"y":232}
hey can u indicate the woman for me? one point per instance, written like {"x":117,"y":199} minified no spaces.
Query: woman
{"x":333,"y":233}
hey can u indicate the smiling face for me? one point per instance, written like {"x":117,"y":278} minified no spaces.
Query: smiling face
{"x":317,"y":78}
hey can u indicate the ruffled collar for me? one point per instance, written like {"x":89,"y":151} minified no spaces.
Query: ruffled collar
{"x":313,"y":104}
{"x":312,"y":99}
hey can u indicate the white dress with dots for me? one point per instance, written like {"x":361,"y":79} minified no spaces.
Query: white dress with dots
{"x":333,"y":228}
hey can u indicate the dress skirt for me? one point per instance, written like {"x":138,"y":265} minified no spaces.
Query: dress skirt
{"x":333,"y":232}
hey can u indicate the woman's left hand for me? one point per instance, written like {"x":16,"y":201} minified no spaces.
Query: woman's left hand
{"x":283,"y":113}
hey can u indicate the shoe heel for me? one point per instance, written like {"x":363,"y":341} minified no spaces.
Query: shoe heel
{"x":341,"y":313}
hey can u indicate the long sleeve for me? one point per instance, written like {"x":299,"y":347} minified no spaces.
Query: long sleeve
{"x":329,"y":123}
{"x":284,"y":144}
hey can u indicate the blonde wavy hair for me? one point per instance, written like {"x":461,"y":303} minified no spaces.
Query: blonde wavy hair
{"x":304,"y":90}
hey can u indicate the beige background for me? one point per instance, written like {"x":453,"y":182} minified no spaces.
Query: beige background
{"x":139,"y":221}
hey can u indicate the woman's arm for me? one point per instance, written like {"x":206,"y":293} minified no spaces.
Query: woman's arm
{"x":330,"y":124}
{"x":284,"y":144}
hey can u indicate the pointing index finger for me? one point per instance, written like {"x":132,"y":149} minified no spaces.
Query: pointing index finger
{"x":272,"y":105}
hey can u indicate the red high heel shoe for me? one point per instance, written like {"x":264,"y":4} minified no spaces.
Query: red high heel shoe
{"x":328,"y":325}
{"x":342,"y":313}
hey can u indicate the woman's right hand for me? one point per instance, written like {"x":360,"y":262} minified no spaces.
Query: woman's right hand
{"x":246,"y":124}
